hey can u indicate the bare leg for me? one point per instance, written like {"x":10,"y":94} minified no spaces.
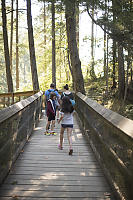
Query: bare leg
{"x":69,"y":136}
{"x":61,"y":136}
{"x":47,"y":125}
{"x":53,"y":125}
{"x":57,"y":112}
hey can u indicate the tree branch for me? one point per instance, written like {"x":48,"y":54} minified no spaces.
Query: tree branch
{"x":10,"y":11}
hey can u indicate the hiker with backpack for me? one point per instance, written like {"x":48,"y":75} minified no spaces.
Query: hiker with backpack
{"x":54,"y":100}
{"x":68,"y":94}
{"x":51,"y":113}
{"x":47,"y":94}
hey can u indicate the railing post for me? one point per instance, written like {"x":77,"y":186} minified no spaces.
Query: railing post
{"x":12,"y":95}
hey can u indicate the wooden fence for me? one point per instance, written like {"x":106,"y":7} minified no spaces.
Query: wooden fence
{"x":7,"y":99}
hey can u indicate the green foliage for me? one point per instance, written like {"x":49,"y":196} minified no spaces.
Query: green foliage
{"x":116,"y":17}
{"x":96,"y":90}
{"x":44,"y":52}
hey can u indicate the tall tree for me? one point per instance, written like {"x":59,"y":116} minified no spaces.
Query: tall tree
{"x":11,"y":35}
{"x":32,"y":48}
{"x":60,"y":42}
{"x":121,"y":72}
{"x":107,"y":66}
{"x":105,"y":42}
{"x":114,"y":46}
{"x":107,"y":45}
{"x":45,"y":38}
{"x":44,"y":23}
{"x":92,"y":71}
{"x":17,"y":56}
{"x":72,"y":46}
{"x":105,"y":53}
{"x":6,"y":48}
{"x":114,"y":64}
{"x":77,"y":23}
{"x":53,"y":44}
{"x":127,"y":74}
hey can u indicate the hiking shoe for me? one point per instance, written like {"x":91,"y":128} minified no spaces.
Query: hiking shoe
{"x":53,"y":133}
{"x":59,"y":147}
{"x":70,"y":152}
{"x":46,"y":133}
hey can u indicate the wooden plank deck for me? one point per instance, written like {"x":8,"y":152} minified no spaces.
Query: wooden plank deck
{"x":42,"y":171}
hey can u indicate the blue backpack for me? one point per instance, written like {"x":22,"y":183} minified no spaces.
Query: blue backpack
{"x":72,"y":101}
{"x":48,"y":95}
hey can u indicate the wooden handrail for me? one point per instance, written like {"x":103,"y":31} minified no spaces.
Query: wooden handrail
{"x":17,"y":94}
{"x":11,"y":97}
{"x":111,"y":137}
{"x":16,"y":124}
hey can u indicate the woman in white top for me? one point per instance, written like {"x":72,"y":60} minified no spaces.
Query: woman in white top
{"x":66,"y":122}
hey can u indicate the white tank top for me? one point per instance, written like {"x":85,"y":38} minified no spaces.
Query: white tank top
{"x":67,"y":118}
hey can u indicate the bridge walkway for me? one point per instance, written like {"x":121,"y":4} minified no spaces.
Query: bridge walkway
{"x":42,"y":171}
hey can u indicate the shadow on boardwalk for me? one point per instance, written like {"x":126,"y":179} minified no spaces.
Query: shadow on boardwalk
{"x":42,"y":171}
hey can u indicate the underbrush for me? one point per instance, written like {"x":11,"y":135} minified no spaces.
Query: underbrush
{"x":97,"y":91}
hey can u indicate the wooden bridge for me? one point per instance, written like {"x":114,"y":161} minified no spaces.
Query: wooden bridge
{"x":101,"y":166}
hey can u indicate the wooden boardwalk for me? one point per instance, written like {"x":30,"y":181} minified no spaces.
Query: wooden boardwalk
{"x":42,"y":171}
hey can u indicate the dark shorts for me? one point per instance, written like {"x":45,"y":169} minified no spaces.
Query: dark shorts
{"x":51,"y":118}
{"x":67,"y":125}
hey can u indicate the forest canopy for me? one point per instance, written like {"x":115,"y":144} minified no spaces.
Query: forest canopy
{"x":41,"y":45}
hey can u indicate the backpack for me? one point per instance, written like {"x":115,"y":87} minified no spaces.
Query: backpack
{"x":48,"y":95}
{"x":72,"y":100}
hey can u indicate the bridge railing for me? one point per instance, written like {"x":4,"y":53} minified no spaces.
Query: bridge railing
{"x":7,"y":99}
{"x":16,"y":125}
{"x":111,"y":137}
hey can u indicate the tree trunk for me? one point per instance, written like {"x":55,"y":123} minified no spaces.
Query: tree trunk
{"x":92,"y":72}
{"x":105,"y":42}
{"x":107,"y":67}
{"x":45,"y":39}
{"x":72,"y":46}
{"x":11,"y":35}
{"x":105,"y":57}
{"x":44,"y":24}
{"x":53,"y":45}
{"x":121,"y":72}
{"x":60,"y":44}
{"x":6,"y":48}
{"x":77,"y":24}
{"x":114,"y":45}
{"x":127,"y":76}
{"x":32,"y":48}
{"x":114,"y":64}
{"x":70,"y":67}
{"x":131,"y":74}
{"x":17,"y":56}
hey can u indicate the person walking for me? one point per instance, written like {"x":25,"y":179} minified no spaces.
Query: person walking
{"x":47,"y":94}
{"x":57,"y":103}
{"x":66,"y":120}
{"x":51,"y":113}
{"x":67,"y":93}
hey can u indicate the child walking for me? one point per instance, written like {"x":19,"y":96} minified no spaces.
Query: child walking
{"x":66,"y":120}
{"x":51,"y":113}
